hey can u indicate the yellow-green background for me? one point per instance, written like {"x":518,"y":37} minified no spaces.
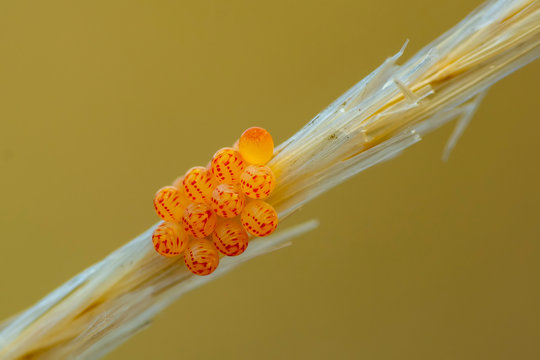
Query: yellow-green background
{"x":103,"y":102}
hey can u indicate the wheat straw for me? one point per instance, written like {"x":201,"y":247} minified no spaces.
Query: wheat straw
{"x":372,"y":122}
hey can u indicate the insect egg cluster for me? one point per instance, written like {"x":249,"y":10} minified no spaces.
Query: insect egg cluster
{"x":213,"y":210}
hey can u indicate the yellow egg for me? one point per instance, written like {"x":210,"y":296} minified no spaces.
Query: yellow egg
{"x":256,"y":146}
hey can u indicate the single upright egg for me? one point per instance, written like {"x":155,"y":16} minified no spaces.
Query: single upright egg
{"x":199,"y":220}
{"x":198,"y":184}
{"x":230,"y":237}
{"x":259,"y":218}
{"x":227,"y":166}
{"x":256,"y":146}
{"x":169,"y":239}
{"x":201,"y":257}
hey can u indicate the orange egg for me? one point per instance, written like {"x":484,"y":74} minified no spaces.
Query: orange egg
{"x":230,"y":238}
{"x":259,"y":218}
{"x":179,"y":184}
{"x":170,"y":203}
{"x":227,"y":200}
{"x":227,"y":166}
{"x":201,"y":257}
{"x":199,"y":220}
{"x":198,"y":184}
{"x":169,"y":239}
{"x":257,"y":181}
{"x":256,"y":146}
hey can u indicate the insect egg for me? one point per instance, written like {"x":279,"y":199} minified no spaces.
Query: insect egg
{"x":184,"y":199}
{"x":227,"y":200}
{"x":199,"y":220}
{"x":169,"y":239}
{"x":201,"y":257}
{"x":227,"y":166}
{"x":259,"y":218}
{"x":169,"y":203}
{"x":257,"y":181}
{"x":230,"y":237}
{"x":256,"y":145}
{"x":198,"y":184}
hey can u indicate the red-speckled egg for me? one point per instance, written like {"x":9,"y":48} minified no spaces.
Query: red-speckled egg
{"x":199,"y":220}
{"x":230,"y":237}
{"x":169,"y":239}
{"x":227,"y":166}
{"x":259,"y":218}
{"x":198,"y":184}
{"x":170,"y":203}
{"x":257,"y":181}
{"x":201,"y":257}
{"x":227,"y":200}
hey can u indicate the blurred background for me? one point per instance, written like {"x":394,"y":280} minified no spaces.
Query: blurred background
{"x":98,"y":104}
